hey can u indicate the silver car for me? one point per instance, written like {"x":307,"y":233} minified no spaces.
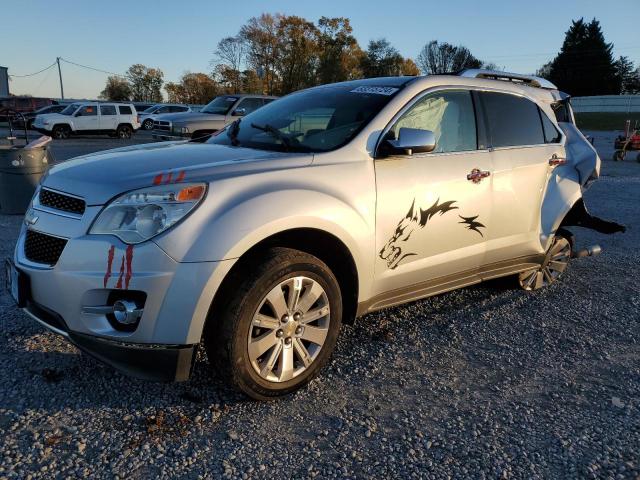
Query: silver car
{"x":322,"y":206}
{"x":213,"y":117}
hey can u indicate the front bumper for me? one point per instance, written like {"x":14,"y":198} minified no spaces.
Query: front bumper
{"x":166,"y":136}
{"x":167,"y":363}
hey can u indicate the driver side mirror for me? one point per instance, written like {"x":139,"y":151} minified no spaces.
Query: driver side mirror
{"x":413,"y":140}
{"x":239,"y":112}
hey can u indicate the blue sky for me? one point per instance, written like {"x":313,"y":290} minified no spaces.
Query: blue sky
{"x":181,"y":36}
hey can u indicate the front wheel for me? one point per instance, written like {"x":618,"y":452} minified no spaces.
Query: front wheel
{"x":280,"y":327}
{"x":60,"y":132}
{"x":147,"y":124}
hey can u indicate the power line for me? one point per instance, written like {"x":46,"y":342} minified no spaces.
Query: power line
{"x":93,"y":68}
{"x":32,"y":74}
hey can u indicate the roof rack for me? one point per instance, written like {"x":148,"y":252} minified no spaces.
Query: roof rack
{"x":529,"y":80}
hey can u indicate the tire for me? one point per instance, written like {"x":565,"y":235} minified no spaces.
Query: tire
{"x":61,"y":132}
{"x":555,"y":263}
{"x":618,"y":156}
{"x":269,"y":351}
{"x":124,"y":132}
{"x":147,"y":124}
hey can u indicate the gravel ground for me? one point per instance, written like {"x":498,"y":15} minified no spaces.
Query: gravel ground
{"x":484,"y":382}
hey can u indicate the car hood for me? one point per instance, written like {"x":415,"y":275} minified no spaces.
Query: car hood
{"x":99,"y":177}
{"x":186,"y":117}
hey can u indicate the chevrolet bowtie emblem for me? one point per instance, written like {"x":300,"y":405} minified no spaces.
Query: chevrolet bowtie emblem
{"x":30,"y":218}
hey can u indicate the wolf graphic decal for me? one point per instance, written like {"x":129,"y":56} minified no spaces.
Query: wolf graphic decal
{"x":392,"y":252}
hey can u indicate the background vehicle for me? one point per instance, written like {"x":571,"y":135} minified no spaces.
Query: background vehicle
{"x":150,"y":114}
{"x":215,"y":115}
{"x":30,"y":117}
{"x":327,"y":204}
{"x":116,"y":119}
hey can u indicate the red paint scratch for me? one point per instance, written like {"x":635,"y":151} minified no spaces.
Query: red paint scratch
{"x":169,"y":178}
{"x":107,"y":275}
{"x":180,"y":177}
{"x":129,"y":270}
{"x":157,"y":180}
{"x":119,"y":284}
{"x":160,"y":179}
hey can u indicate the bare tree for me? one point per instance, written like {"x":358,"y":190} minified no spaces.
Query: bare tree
{"x":435,"y":58}
{"x":231,"y":53}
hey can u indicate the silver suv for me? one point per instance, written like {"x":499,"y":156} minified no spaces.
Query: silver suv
{"x":213,"y":117}
{"x":322,"y":206}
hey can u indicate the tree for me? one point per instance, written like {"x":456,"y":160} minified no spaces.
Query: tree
{"x":145,"y":83}
{"x":585,"y":64}
{"x":231,"y":53}
{"x":263,"y":48}
{"x":339,"y":53}
{"x":438,"y":58}
{"x":409,"y":67}
{"x":117,"y":89}
{"x":297,"y":58}
{"x":629,"y":78}
{"x":229,"y":79}
{"x":194,"y":88}
{"x":381,"y":60}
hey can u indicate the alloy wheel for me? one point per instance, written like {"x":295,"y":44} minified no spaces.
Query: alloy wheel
{"x":554,"y":264}
{"x":289,"y":329}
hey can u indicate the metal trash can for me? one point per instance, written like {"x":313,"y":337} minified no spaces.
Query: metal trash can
{"x":22,"y":164}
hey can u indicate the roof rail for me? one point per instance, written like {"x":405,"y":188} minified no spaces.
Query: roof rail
{"x":530,"y":80}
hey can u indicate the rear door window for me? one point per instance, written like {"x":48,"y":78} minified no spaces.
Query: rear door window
{"x":513,"y":121}
{"x":107,"y":110}
{"x":124,"y":109}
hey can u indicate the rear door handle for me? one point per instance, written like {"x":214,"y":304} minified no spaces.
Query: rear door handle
{"x":477,"y":175}
{"x":555,"y":160}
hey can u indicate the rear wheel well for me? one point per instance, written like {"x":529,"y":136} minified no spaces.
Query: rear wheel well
{"x":325,"y":246}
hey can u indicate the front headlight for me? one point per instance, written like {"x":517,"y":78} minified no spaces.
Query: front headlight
{"x":180,"y":130}
{"x":142,"y":214}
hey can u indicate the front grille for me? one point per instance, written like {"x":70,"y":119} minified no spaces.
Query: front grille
{"x":42,"y":248}
{"x":162,"y":125}
{"x":59,"y":201}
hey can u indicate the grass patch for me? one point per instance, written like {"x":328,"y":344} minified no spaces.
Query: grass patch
{"x":605,"y":120}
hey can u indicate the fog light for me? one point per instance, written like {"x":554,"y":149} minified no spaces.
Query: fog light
{"x":126,"y":312}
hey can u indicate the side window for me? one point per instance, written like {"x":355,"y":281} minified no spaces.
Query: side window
{"x":178,"y":109}
{"x":551,"y":133}
{"x":124,"y":109}
{"x":162,"y":110}
{"x":268,"y":100}
{"x":107,"y":110}
{"x":250,"y":104}
{"x":449,"y":115}
{"x":87,"y":111}
{"x":512,"y":120}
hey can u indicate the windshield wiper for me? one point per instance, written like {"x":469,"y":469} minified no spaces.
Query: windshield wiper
{"x":285,"y":139}
{"x":232,"y":132}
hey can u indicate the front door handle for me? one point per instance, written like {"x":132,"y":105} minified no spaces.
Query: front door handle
{"x":477,"y":175}
{"x":555,"y":160}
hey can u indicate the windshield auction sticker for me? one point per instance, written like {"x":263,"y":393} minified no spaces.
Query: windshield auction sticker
{"x":375,"y":90}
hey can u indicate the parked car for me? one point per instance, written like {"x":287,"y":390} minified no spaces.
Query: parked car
{"x":150,"y":114}
{"x":324,"y":205}
{"x":114,"y":119}
{"x":31,"y":116}
{"x":214,"y":116}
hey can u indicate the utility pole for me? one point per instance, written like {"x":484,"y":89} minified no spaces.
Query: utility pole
{"x":60,"y":75}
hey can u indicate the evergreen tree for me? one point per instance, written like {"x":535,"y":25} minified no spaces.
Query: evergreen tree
{"x":585,"y":64}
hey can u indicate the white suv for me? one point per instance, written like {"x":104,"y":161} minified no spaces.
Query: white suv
{"x":114,"y":119}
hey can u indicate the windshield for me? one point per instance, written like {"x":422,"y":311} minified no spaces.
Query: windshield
{"x":315,"y":120}
{"x":70,"y":109}
{"x":219,"y":105}
{"x":151,"y":109}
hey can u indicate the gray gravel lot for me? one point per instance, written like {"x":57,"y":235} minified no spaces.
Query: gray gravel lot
{"x":484,"y":382}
